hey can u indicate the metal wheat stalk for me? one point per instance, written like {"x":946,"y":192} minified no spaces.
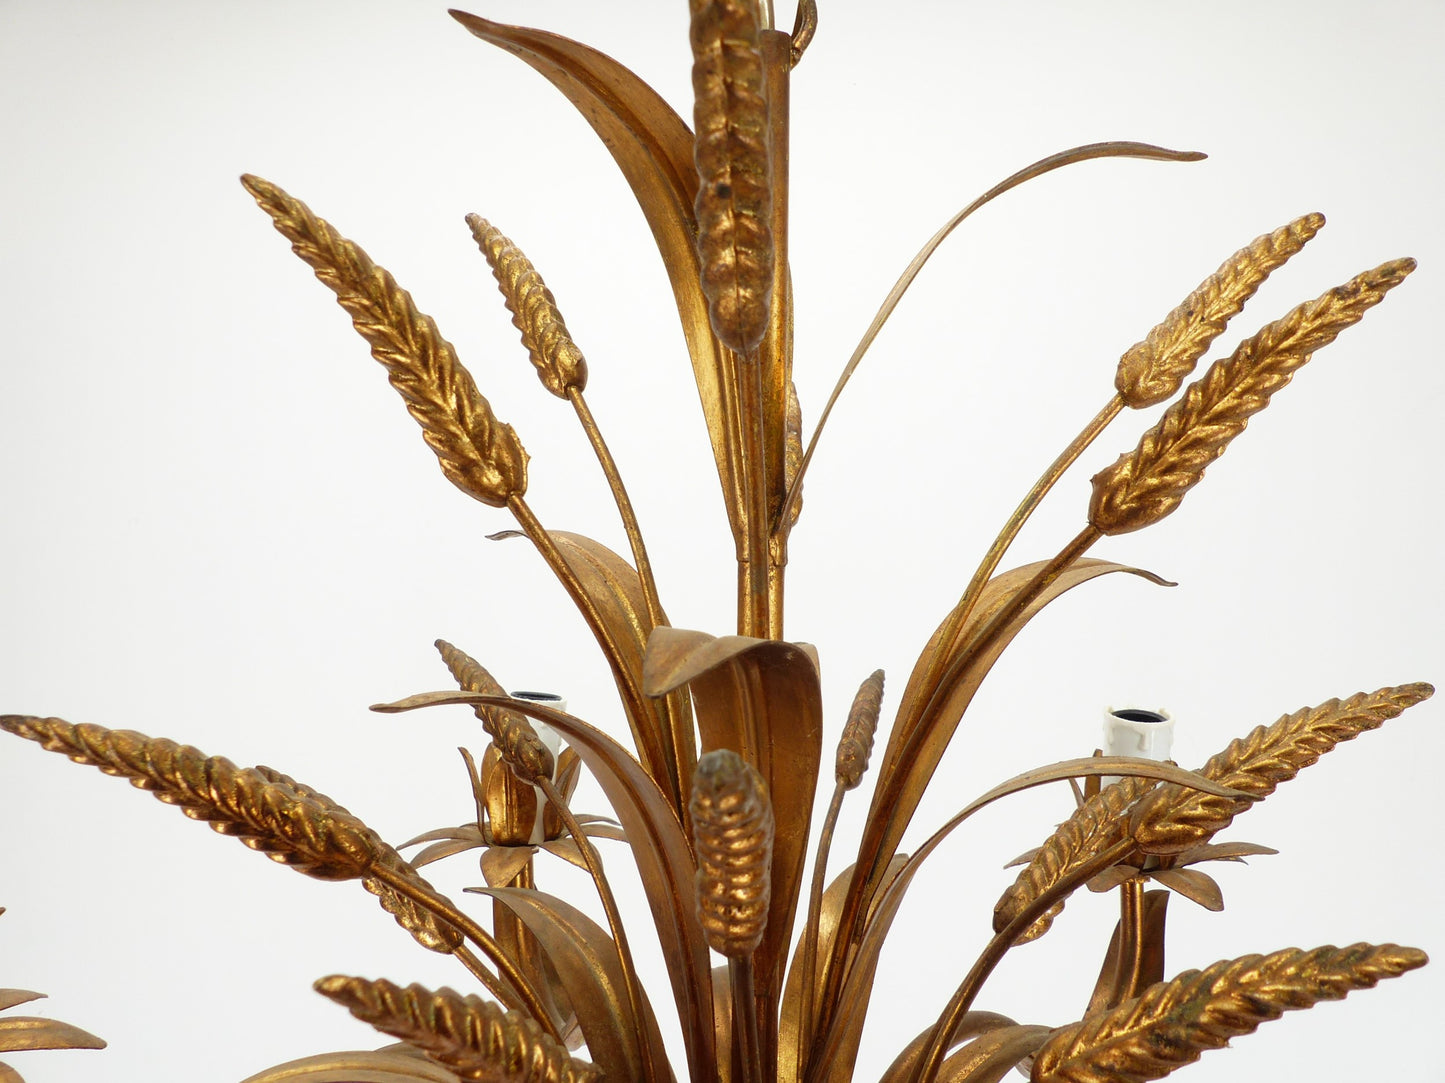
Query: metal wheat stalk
{"x":771,"y":959}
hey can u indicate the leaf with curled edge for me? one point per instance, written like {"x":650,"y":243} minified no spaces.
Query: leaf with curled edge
{"x":588,"y":967}
{"x":653,"y":147}
{"x":990,"y":1058}
{"x":661,"y":850}
{"x":851,"y":1004}
{"x":1198,"y":887}
{"x":12,"y":998}
{"x":928,"y":717}
{"x":972,"y":1025}
{"x":1111,"y":988}
{"x":760,"y":698}
{"x":664,"y":735}
{"x":790,"y":1033}
{"x":356,"y":1066}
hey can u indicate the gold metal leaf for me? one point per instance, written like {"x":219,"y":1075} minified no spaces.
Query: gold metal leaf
{"x":1152,"y":370}
{"x":660,"y":849}
{"x":558,"y":361}
{"x":479,"y":455}
{"x":972,"y":1025}
{"x":588,"y":969}
{"x":18,"y":1032}
{"x":734,"y":195}
{"x":1173,"y":1023}
{"x":1171,"y":820}
{"x":654,"y":149}
{"x":1146,"y":484}
{"x":357,"y":1066}
{"x":471,"y":1036}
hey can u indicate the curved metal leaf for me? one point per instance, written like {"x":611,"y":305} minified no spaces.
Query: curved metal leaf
{"x":19,"y":1032}
{"x":761,"y":698}
{"x":356,"y":1066}
{"x":590,"y":970}
{"x":846,"y":1031}
{"x":659,"y":847}
{"x":500,"y":865}
{"x":1116,"y":149}
{"x":1114,"y":988}
{"x":663,"y":732}
{"x":928,"y":716}
{"x":10,"y":998}
{"x":9,"y":1075}
{"x":856,"y":988}
{"x":1197,"y":887}
{"x":653,"y":147}
{"x":971,"y":1025}
{"x":990,"y":1058}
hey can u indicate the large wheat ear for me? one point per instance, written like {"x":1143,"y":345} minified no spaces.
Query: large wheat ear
{"x":479,"y":455}
{"x":265,"y":815}
{"x":1173,"y":819}
{"x":1152,"y":370}
{"x":430,"y":931}
{"x":1146,"y":484}
{"x":473,"y":1037}
{"x":734,"y":194}
{"x":1171,"y":1024}
{"x":1095,"y":826}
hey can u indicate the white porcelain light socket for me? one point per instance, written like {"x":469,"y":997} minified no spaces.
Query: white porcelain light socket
{"x":1144,"y":732}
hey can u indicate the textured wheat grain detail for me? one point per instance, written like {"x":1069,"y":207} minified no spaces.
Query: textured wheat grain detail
{"x":1096,"y":825}
{"x":734,"y":196}
{"x":430,"y":931}
{"x":732,"y":823}
{"x":473,"y":1037}
{"x":1173,"y":819}
{"x":478,"y":454}
{"x":1148,"y":483}
{"x":1152,"y":370}
{"x":516,"y":740}
{"x":1172,"y":1023}
{"x":266,"y":816}
{"x":558,"y":361}
{"x":855,"y":747}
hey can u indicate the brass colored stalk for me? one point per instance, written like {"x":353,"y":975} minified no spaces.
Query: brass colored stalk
{"x":994,"y":952}
{"x":815,"y":916}
{"x":1016,"y":605}
{"x":1131,"y":942}
{"x":624,"y":505}
{"x":614,"y":917}
{"x":487,"y":978}
{"x":753,"y":583}
{"x":958,"y":619}
{"x":433,"y":902}
{"x":745,"y":1019}
{"x":539,"y":537}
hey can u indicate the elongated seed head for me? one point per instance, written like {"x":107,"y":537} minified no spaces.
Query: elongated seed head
{"x":473,"y":1037}
{"x":478,"y":454}
{"x":1148,"y":483}
{"x":1152,"y":370}
{"x":558,"y":361}
{"x":732,"y":824}
{"x":1173,"y":819}
{"x":856,"y":745}
{"x":734,"y":196}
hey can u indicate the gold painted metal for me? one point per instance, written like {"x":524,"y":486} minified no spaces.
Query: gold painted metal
{"x":26,"y":1032}
{"x":714,"y":800}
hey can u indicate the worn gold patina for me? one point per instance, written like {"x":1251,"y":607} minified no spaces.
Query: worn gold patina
{"x":715,"y":798}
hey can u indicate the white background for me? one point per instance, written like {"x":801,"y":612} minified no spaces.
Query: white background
{"x":221,"y":526}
